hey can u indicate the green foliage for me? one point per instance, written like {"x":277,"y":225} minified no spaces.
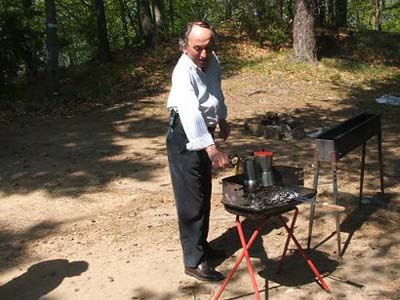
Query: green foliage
{"x":76,"y":32}
{"x":275,"y":35}
{"x":21,"y":43}
{"x":392,"y":18}
{"x":361,"y":13}
{"x":374,"y":46}
{"x":22,"y":30}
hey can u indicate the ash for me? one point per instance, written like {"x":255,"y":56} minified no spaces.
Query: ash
{"x":270,"y":197}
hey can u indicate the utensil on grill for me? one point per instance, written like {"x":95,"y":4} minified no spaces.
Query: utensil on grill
{"x":251,"y":181}
{"x":264,"y":163}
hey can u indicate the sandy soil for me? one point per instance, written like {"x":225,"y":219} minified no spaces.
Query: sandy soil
{"x":87,"y":210}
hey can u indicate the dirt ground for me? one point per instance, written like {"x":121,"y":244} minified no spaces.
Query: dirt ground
{"x":87,"y":210}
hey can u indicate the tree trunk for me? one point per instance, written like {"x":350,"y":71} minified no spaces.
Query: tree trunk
{"x":32,"y":60}
{"x":304,"y":44}
{"x":278,"y":8}
{"x":146,"y":24}
{"x":159,"y":13}
{"x":330,"y":12}
{"x":379,"y":5}
{"x":124,"y":23}
{"x":133,"y":23}
{"x":341,"y":13}
{"x":320,"y":13}
{"x":104,"y":47}
{"x":52,"y":48}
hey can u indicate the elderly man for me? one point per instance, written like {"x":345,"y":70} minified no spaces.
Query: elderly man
{"x":197,"y":106}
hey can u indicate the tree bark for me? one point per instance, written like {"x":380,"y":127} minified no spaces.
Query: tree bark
{"x":304,"y":43}
{"x":379,"y":5}
{"x":104,"y":47}
{"x":124,"y":23}
{"x":146,"y":24}
{"x":52,"y":48}
{"x":159,"y":13}
{"x":330,"y":12}
{"x":320,"y":15}
{"x":278,"y":8}
{"x":133,"y":23}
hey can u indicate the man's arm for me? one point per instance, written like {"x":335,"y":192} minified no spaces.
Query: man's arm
{"x":219,"y":159}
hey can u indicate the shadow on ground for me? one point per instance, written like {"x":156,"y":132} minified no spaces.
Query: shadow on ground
{"x":41,"y":278}
{"x":76,"y":156}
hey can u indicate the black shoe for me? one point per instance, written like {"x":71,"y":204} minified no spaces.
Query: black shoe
{"x":204,"y":272}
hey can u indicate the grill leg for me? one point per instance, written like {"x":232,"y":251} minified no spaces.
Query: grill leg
{"x":287,"y":240}
{"x":305,"y":256}
{"x":335,"y":177}
{"x":245,"y":253}
{"x":336,"y":196}
{"x":338,"y":234}
{"x":316,"y":166}
{"x":379,"y":138}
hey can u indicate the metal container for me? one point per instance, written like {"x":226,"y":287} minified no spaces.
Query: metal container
{"x":347,"y":136}
{"x":264,"y":163}
{"x":251,"y":178}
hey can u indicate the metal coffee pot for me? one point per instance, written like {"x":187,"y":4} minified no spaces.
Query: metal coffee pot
{"x":251,"y":174}
{"x":263,"y":161}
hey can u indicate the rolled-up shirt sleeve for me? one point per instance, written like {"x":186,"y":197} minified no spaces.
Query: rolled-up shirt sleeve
{"x":187,"y":104}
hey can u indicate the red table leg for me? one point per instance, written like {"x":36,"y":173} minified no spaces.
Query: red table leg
{"x":247,"y":246}
{"x":308,"y":260}
{"x":245,"y":253}
{"x":288,"y":239}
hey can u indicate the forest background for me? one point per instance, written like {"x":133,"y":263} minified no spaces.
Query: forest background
{"x":44,"y":41}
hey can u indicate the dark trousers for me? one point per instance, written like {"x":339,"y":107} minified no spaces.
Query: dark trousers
{"x":191,"y":180}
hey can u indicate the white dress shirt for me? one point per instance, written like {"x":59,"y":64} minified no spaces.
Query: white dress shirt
{"x":197,"y":96}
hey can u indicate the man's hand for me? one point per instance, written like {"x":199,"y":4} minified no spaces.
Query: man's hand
{"x":224,"y":129}
{"x":219,"y":159}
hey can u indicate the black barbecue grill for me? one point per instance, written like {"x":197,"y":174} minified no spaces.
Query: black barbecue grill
{"x":286,"y":193}
{"x":262,"y":203}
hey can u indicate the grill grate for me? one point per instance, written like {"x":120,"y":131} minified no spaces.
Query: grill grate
{"x":274,"y":196}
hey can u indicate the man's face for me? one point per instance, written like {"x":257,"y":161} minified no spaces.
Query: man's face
{"x":200,"y":45}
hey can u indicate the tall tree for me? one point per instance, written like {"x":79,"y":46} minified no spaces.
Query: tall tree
{"x":159,"y":15}
{"x":330,"y":12}
{"x":104,"y":47}
{"x":378,"y":13}
{"x":304,"y":43}
{"x":124,"y":22}
{"x":320,"y":12}
{"x":278,"y":9}
{"x":52,"y":48}
{"x":147,"y":27}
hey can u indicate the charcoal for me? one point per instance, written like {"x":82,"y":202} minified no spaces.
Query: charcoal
{"x":270,"y":197}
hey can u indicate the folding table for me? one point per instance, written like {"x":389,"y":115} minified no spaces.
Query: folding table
{"x":233,"y":202}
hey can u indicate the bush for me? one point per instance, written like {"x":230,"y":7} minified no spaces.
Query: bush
{"x":273,"y":35}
